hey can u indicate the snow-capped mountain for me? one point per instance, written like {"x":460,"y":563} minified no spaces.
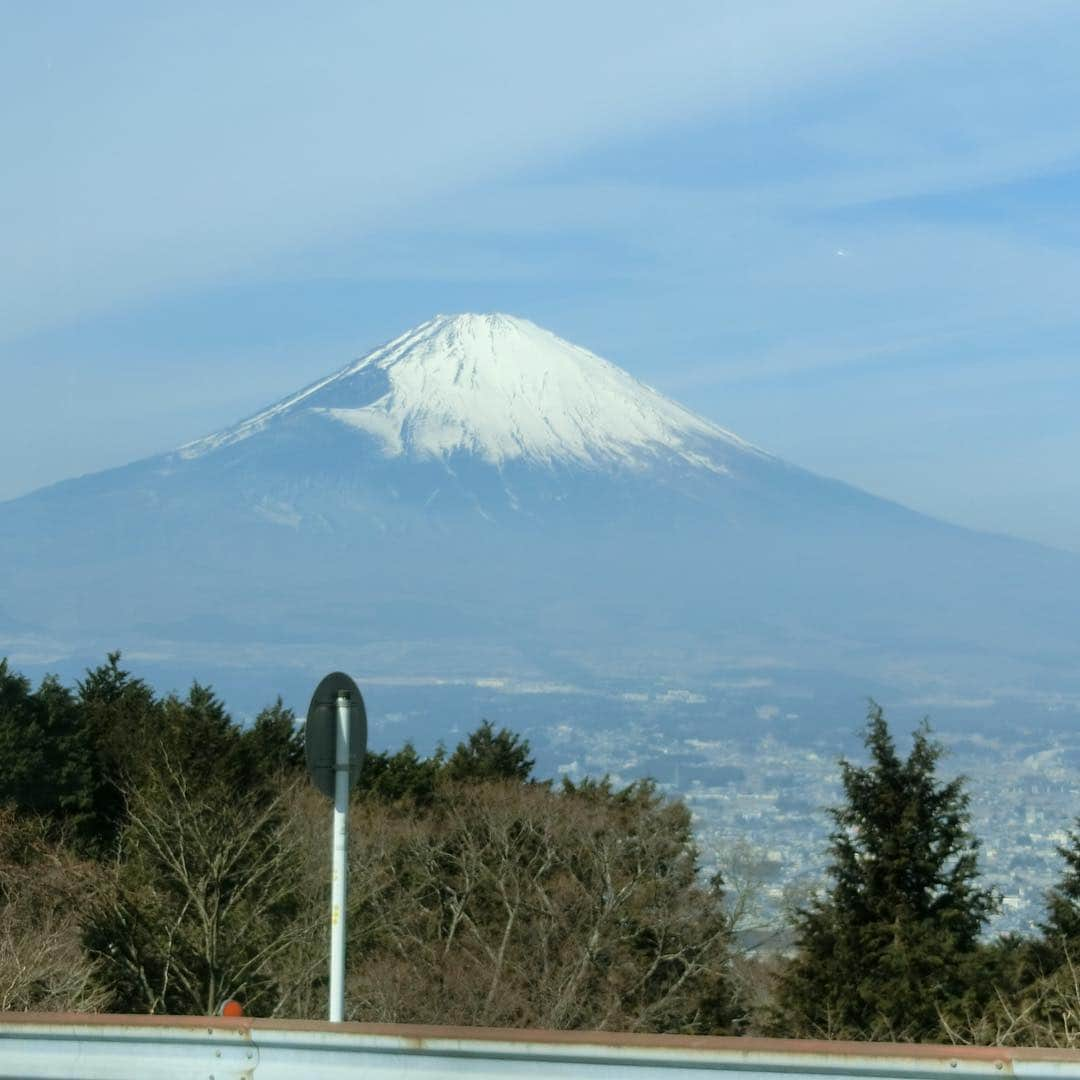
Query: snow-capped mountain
{"x":500,"y":389}
{"x":481,"y":496}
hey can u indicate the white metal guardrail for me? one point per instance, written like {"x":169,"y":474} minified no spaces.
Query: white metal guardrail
{"x":169,"y":1048}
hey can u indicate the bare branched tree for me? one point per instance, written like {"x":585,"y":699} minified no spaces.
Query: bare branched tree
{"x":42,"y":965}
{"x":511,"y":904}
{"x":201,"y":902}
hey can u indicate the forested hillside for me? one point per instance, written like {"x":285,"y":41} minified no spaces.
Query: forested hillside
{"x":156,"y":856}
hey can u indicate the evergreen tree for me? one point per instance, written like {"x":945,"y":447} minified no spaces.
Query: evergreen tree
{"x":198,"y":734}
{"x":488,"y":754}
{"x":121,"y":714}
{"x":20,"y":737}
{"x":122,"y":718}
{"x":1061,"y":931}
{"x":401,"y":777}
{"x":891,"y":944}
{"x":272,"y":747}
{"x":45,"y":754}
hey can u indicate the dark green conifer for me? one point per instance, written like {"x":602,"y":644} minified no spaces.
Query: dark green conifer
{"x":401,"y":777}
{"x":272,"y":747}
{"x":488,"y":754}
{"x":197,"y":735}
{"x":887,"y":949}
{"x":45,"y":754}
{"x":1061,"y":931}
{"x":122,"y":718}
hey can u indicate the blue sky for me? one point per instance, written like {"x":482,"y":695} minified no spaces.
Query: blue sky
{"x":846,"y":230}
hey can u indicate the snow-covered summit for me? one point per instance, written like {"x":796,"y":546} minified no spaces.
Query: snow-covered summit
{"x":500,"y":388}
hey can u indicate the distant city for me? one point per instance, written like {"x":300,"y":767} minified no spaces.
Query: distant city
{"x":758,"y":768}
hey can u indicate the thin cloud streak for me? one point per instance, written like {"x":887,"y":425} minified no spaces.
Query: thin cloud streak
{"x":159,"y":149}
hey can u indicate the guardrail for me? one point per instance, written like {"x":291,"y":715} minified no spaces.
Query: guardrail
{"x":169,"y":1048}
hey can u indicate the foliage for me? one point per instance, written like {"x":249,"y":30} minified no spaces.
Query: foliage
{"x":512,"y":904}
{"x":43,"y":967}
{"x":121,"y":717}
{"x":402,"y":777}
{"x":273,"y":746}
{"x":155,"y":855}
{"x":1036,"y":1000}
{"x":44,"y":751}
{"x":1061,"y":930}
{"x":889,"y":948}
{"x":200,"y":902}
{"x":488,"y":754}
{"x":406,"y":777}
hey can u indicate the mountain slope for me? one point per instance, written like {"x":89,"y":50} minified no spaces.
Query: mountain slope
{"x":480,"y":488}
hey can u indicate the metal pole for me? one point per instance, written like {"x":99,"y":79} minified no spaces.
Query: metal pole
{"x":339,"y":878}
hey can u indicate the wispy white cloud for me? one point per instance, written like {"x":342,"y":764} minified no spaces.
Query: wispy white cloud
{"x":155,"y":148}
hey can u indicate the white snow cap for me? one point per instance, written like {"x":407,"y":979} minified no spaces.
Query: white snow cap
{"x":503,"y":389}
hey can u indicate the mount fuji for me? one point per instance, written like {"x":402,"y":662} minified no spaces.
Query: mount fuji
{"x":481,"y":498}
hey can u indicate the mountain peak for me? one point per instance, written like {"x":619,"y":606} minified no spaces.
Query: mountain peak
{"x":493,"y":321}
{"x":500,"y":388}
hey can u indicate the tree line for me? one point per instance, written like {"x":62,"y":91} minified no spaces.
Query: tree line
{"x":158,"y":857}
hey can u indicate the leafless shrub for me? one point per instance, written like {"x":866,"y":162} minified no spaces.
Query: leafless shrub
{"x":513,"y":905}
{"x":42,"y":965}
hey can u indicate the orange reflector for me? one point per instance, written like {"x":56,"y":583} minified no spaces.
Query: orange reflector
{"x":232,"y":1008}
